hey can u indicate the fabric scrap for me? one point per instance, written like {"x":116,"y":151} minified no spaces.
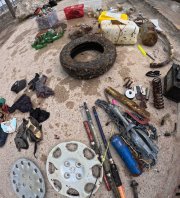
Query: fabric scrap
{"x":41,"y":89}
{"x":23,"y":104}
{"x":18,"y":86}
{"x":39,"y":114}
{"x":32,"y":83}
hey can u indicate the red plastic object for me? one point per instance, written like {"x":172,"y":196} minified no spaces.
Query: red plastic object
{"x":37,"y":11}
{"x":75,"y":11}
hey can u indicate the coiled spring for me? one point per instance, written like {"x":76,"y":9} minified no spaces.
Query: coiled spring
{"x":157,"y":93}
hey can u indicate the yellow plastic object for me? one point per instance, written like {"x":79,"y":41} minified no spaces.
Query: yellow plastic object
{"x":144,"y":53}
{"x":105,"y":15}
{"x":142,"y":50}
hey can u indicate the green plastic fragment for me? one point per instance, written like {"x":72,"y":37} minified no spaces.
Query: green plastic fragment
{"x":48,"y":37}
{"x":40,"y":46}
{"x":2,"y":101}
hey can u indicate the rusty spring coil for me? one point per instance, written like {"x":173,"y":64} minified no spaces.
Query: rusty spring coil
{"x":157,"y":93}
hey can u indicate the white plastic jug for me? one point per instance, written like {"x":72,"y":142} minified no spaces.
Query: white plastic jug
{"x":120,"y":31}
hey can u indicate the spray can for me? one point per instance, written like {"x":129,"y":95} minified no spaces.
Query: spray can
{"x":125,"y":154}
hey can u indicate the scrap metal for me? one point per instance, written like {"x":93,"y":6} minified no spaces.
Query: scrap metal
{"x":157,"y":93}
{"x":128,"y":82}
{"x":113,"y":167}
{"x":129,"y":103}
{"x":170,"y":52}
{"x":96,"y":146}
{"x":134,"y":186}
{"x":135,"y":136}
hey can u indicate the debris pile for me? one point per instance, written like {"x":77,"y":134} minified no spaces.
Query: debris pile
{"x":70,"y":165}
{"x":30,"y":127}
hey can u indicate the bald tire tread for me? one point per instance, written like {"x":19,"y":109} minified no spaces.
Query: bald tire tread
{"x":90,"y":69}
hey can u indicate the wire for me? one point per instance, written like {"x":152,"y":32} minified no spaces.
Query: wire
{"x":93,"y":188}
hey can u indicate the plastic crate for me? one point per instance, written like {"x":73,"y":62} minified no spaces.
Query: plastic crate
{"x":47,"y":21}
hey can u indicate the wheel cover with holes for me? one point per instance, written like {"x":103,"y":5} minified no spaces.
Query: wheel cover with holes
{"x":73,"y":170}
{"x":27,"y":180}
{"x":90,"y":69}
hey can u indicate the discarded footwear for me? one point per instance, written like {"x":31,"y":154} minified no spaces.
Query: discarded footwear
{"x":28,"y":129}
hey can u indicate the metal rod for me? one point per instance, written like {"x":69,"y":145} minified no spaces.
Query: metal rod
{"x":88,"y":131}
{"x":101,"y":132}
{"x":93,"y":146}
{"x":129,"y":103}
{"x":92,"y":128}
{"x":114,"y":170}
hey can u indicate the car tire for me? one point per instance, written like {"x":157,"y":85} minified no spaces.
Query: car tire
{"x":90,"y":69}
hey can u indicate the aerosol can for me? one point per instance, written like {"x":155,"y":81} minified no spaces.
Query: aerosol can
{"x":125,"y":154}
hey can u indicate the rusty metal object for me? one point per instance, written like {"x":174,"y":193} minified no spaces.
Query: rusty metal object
{"x":157,"y":93}
{"x":82,"y":30}
{"x":147,"y":94}
{"x":164,"y":119}
{"x":127,"y":83}
{"x":129,"y":103}
{"x":168,"y":134}
{"x":130,"y":11}
{"x":76,"y":34}
{"x":141,"y":97}
{"x":134,"y":186}
{"x":148,"y":40}
{"x":148,"y":34}
{"x":56,"y":137}
{"x":170,"y":52}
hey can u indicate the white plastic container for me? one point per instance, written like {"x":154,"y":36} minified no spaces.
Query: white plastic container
{"x":120,"y":31}
{"x":91,"y":4}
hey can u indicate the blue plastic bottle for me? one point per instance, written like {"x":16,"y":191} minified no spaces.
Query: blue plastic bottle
{"x":125,"y":154}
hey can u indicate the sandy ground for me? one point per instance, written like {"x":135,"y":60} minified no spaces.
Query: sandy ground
{"x":18,"y":60}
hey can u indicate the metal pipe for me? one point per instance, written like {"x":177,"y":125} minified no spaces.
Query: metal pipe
{"x":129,"y":103}
{"x":114,"y":170}
{"x":86,"y":124}
{"x":101,"y":131}
{"x":11,"y":8}
{"x":92,"y":128}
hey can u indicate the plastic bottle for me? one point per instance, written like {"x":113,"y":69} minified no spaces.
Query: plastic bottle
{"x":125,"y":154}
